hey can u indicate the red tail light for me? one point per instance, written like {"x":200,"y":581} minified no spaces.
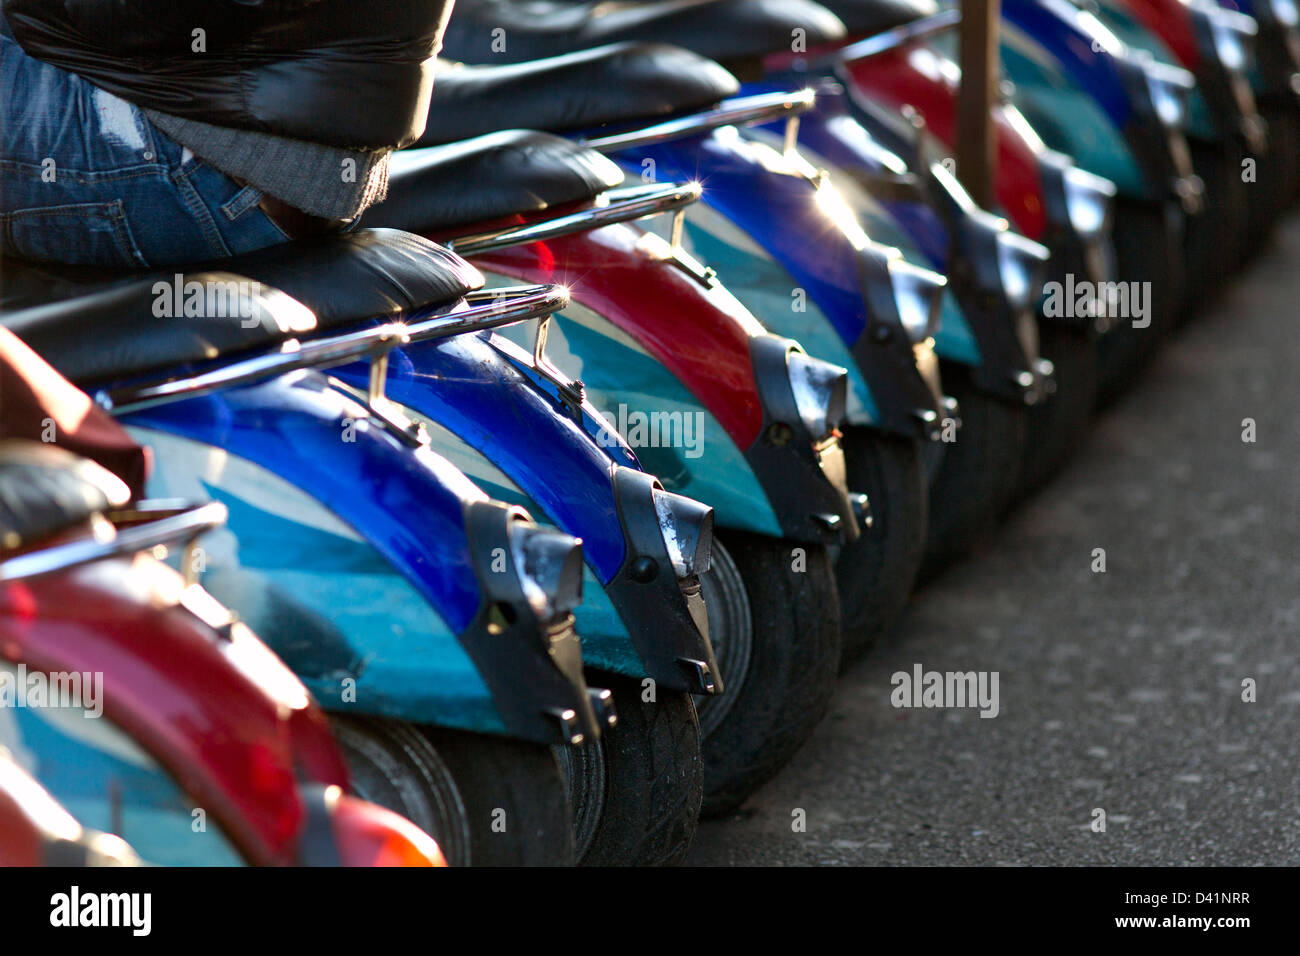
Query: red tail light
{"x":346,"y":831}
{"x":369,"y":835}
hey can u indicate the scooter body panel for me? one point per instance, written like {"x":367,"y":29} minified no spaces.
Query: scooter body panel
{"x":817,"y":241}
{"x":700,"y":418}
{"x":214,"y":710}
{"x":924,"y":79}
{"x":480,"y":394}
{"x":376,"y":586}
{"x":831,"y":139}
{"x":630,"y":386}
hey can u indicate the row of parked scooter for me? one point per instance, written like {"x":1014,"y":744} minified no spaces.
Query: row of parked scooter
{"x":676,"y":356}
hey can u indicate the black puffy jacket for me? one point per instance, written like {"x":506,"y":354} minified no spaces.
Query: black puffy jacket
{"x":354,"y":73}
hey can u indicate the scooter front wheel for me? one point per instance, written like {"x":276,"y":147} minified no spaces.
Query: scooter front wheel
{"x":876,"y":573}
{"x":1148,"y":249}
{"x":977,"y":472}
{"x":487,"y":800}
{"x":636,"y":792}
{"x":1055,"y":426}
{"x":792,"y":649}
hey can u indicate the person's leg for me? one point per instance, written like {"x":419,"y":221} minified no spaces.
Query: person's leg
{"x":86,"y":179}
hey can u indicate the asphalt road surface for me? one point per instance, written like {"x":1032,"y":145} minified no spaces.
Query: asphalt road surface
{"x":1119,"y":691}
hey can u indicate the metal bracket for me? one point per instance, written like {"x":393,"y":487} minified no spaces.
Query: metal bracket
{"x":572,"y":392}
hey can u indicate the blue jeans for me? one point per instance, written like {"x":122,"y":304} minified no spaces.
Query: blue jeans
{"x":85,"y":178}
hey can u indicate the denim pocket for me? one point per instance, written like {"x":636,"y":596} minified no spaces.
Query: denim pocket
{"x":92,"y":233}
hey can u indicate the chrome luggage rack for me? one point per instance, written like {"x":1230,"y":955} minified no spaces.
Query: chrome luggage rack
{"x":759,"y":108}
{"x":623,"y":204}
{"x":940,"y":22}
{"x":475,"y":312}
{"x":146,"y":526}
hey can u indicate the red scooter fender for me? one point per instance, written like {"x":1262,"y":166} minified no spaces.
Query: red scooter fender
{"x":919,"y":81}
{"x":195,"y":688}
{"x":1171,"y":21}
{"x":687,"y":321}
{"x":697,"y":329}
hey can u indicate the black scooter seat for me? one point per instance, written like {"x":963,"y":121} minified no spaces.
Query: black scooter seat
{"x":624,"y":82}
{"x":487,"y":178}
{"x":864,"y":18}
{"x":511,"y":31}
{"x":95,"y":325}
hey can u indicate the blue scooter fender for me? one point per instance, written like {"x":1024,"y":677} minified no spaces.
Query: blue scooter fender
{"x":423,"y":537}
{"x":806,"y":228}
{"x":481,"y":390}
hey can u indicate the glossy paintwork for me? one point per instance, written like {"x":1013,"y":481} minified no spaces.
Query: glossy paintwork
{"x":954,"y":340}
{"x":625,"y":381}
{"x":606,"y":644}
{"x":1066,"y":117}
{"x":1077,"y":40}
{"x":1120,"y":17}
{"x":373,"y":586}
{"x":469,"y":387}
{"x":920,"y":77}
{"x":226,"y":718}
{"x":412,"y":509}
{"x":701,"y":334}
{"x":772,"y":293}
{"x":1167,"y":19}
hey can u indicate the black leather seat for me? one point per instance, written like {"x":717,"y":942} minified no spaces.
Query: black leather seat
{"x":488,"y":178}
{"x":94,"y":325}
{"x":864,"y":18}
{"x":45,"y":490}
{"x":513,"y":31}
{"x":620,"y":83}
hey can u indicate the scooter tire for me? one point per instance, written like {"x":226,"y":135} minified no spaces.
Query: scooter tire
{"x":1148,"y":248}
{"x":790,"y":679}
{"x":876,"y":573}
{"x":515,"y":796}
{"x":643,"y":780}
{"x":1216,"y":240}
{"x":977,"y":474}
{"x":1055,"y":426}
{"x":449,"y":783}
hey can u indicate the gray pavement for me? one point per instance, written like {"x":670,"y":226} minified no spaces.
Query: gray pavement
{"x":1120,"y":691}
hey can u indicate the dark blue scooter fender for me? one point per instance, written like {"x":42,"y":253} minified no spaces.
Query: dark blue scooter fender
{"x":590,"y":484}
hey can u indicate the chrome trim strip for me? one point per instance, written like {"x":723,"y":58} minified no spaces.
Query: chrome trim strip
{"x":504,"y":306}
{"x":165,"y":531}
